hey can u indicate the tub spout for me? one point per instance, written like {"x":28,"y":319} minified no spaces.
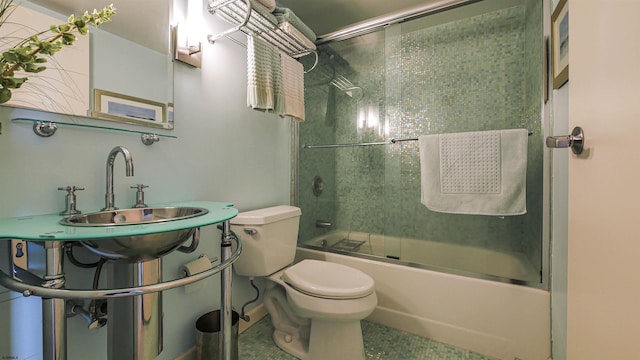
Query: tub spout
{"x":109,"y":198}
{"x":321,"y":224}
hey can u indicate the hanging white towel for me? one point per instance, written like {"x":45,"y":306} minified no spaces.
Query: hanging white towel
{"x":292,"y":87}
{"x":263,"y":74}
{"x":476,"y":173}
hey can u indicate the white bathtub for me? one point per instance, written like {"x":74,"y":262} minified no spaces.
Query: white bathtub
{"x":496,"y":319}
{"x":435,"y":254}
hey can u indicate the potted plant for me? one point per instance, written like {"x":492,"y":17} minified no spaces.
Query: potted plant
{"x":29,"y":55}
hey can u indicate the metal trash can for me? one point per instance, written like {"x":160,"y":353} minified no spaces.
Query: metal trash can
{"x":208,"y":340}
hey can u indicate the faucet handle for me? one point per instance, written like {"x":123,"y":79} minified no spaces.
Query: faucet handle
{"x":70,"y":200}
{"x":140,"y":195}
{"x":71,"y":189}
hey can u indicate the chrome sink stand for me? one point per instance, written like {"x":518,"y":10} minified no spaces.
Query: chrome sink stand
{"x":51,"y":289}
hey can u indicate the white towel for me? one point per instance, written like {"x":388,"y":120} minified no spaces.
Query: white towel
{"x":263,"y":74}
{"x":475,"y":173}
{"x":235,"y":11}
{"x":268,"y":4}
{"x":296,"y":34}
{"x":292,"y":87}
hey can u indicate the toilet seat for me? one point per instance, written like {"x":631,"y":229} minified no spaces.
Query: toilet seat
{"x":328,"y":280}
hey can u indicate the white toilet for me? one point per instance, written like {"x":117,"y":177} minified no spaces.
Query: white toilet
{"x":315,"y":306}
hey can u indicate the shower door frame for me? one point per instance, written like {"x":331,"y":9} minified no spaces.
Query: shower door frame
{"x":384,"y":21}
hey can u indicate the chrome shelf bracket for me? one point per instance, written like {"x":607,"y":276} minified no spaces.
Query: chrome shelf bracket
{"x":149,"y":139}
{"x":44,"y":128}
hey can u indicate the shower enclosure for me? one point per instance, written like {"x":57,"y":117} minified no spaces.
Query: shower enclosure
{"x":356,"y":167}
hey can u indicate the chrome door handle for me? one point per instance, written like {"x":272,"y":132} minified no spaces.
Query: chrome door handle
{"x":575,"y":141}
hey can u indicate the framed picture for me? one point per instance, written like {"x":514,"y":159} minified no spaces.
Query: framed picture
{"x":117,"y":107}
{"x":560,"y":43}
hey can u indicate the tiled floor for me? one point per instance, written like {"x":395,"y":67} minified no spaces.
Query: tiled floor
{"x":380,"y":342}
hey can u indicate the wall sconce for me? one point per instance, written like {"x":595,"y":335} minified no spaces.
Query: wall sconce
{"x":369,"y":119}
{"x":190,"y":54}
{"x":186,"y":49}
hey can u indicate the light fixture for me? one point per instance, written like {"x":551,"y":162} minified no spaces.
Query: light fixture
{"x":188,"y":47}
{"x":185,"y":52}
{"x":369,"y":118}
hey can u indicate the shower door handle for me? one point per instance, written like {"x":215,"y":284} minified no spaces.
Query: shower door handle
{"x":575,"y":141}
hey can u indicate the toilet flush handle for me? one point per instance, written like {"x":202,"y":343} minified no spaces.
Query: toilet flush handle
{"x":250,"y":231}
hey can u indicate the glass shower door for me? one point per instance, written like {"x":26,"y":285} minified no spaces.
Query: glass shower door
{"x":469,"y":69}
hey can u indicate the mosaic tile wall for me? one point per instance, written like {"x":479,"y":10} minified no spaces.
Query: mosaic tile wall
{"x":427,"y":76}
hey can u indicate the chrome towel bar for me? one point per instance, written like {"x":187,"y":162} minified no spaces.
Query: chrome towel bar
{"x":388,"y":142}
{"x":29,"y":289}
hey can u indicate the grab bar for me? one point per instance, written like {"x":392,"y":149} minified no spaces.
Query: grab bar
{"x":34,"y":290}
{"x":388,"y":142}
{"x":391,"y":141}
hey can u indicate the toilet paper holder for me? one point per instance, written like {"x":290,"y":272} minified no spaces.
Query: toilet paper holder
{"x":202,"y":263}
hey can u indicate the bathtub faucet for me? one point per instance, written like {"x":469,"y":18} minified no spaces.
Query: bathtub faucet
{"x":320,"y":224}
{"x":109,"y":202}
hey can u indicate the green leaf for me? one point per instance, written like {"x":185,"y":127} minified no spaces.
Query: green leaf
{"x":68,"y":38}
{"x":5,"y":95}
{"x":13,"y":83}
{"x":33,"y":68}
{"x":46,"y":47}
{"x":10,"y":56}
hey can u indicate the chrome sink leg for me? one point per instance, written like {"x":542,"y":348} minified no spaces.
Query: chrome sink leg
{"x":225,"y":294}
{"x":134,"y":329}
{"x":54,"y":329}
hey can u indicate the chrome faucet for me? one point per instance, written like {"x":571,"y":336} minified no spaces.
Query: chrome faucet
{"x":109,"y":197}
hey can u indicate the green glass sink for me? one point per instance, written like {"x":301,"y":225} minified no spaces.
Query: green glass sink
{"x":140,"y":247}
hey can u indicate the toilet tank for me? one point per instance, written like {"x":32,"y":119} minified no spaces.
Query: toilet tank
{"x":269,"y":237}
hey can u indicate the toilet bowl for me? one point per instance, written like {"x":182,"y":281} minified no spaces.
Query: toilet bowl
{"x":315,"y":306}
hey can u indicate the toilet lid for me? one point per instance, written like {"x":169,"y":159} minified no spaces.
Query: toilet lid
{"x":328,"y":280}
